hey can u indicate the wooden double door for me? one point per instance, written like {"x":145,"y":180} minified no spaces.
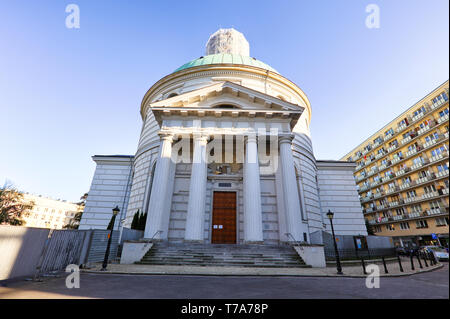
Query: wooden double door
{"x":224,"y":218}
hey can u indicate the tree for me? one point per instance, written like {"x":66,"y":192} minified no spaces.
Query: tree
{"x":74,"y":223}
{"x":142,"y":221}
{"x":135,"y":222}
{"x":369,"y":228}
{"x":12,"y":206}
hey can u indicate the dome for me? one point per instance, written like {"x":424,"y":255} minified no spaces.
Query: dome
{"x":226,"y":58}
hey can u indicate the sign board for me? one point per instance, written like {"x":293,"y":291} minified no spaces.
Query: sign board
{"x":434,"y":236}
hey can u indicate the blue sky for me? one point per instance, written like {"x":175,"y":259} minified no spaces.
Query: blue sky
{"x":67,"y":94}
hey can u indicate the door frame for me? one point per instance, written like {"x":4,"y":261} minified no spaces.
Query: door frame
{"x":222,"y":190}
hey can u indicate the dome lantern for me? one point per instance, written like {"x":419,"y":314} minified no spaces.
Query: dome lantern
{"x":227,"y":41}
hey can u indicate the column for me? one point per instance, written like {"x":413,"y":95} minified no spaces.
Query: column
{"x":294,"y":224}
{"x":195,"y":219}
{"x":154,"y":225}
{"x":252,"y":193}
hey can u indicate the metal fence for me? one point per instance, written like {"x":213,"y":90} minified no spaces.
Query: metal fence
{"x":356,"y":254}
{"x":26,"y":251}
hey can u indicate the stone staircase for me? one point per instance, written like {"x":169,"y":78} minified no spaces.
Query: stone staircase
{"x":164,"y":253}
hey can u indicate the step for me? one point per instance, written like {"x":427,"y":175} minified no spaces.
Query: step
{"x":222,"y":255}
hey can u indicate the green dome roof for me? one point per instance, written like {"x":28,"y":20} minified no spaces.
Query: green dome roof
{"x":226,"y":58}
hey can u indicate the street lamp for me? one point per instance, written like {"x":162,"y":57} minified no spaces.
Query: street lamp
{"x":338,"y":261}
{"x":115,"y":211}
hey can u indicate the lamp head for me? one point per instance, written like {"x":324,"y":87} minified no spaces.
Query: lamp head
{"x":116,"y":210}
{"x":330,"y":214}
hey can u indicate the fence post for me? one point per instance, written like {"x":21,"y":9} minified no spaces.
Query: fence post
{"x":412,"y":261}
{"x":418,"y":259}
{"x":384,"y":264}
{"x":364,"y":266}
{"x":424,"y":257}
{"x":400,"y":263}
{"x":433,"y":260}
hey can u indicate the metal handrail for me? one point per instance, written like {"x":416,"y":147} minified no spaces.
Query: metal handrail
{"x":296,"y":242}
{"x":157,"y":232}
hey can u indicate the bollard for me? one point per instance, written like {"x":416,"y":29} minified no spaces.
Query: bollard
{"x":432,"y":258}
{"x":427,"y":254}
{"x":412,"y":262}
{"x":384,"y":264}
{"x":418,"y":259}
{"x":364,"y":266}
{"x":424,"y":257}
{"x":400,"y":263}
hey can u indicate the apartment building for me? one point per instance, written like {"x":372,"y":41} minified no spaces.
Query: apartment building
{"x":402,"y":173}
{"x":49,"y":212}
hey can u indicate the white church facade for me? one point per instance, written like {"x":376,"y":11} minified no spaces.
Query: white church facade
{"x":225,"y":156}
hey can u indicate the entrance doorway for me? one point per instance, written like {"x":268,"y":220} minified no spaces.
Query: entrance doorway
{"x":224,"y":218}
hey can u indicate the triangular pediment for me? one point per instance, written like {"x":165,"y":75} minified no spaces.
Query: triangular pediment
{"x":227,"y":95}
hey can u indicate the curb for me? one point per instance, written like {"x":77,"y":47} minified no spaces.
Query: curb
{"x":256,"y":274}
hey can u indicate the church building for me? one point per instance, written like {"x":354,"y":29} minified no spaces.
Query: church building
{"x":225,"y":156}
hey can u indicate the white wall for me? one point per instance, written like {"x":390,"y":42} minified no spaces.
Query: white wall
{"x":110,"y":187}
{"x":337,"y":190}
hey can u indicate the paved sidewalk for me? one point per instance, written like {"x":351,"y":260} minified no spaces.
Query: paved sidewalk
{"x":349,"y":271}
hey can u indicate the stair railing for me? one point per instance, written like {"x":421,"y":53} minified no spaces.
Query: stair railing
{"x":156,"y":233}
{"x":295,"y":242}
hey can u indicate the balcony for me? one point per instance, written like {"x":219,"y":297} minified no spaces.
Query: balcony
{"x":366,"y":199}
{"x":438,"y":104}
{"x":378,"y":194}
{"x":439,"y":156}
{"x":401,"y":128}
{"x":419,"y":164}
{"x":402,"y":171}
{"x":443,"y":118}
{"x":414,"y":214}
{"x":392,"y":190}
{"x":398,"y":217}
{"x":406,"y":140}
{"x":375,"y":183}
{"x":426,"y":178}
{"x":364,"y":188}
{"x":426,"y":128}
{"x":389,"y":136}
{"x":397,"y":159}
{"x":412,"y":151}
{"x":372,"y":171}
{"x":407,"y":185}
{"x":394,"y":203}
{"x":430,"y":195}
{"x":379,"y":155}
{"x":412,"y":199}
{"x":436,"y":211}
{"x":386,"y":178}
{"x":442,"y":173}
{"x":418,"y":116}
{"x":392,"y":147}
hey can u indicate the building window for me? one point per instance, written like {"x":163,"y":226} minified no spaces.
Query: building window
{"x":443,"y":112}
{"x":435,"y":204}
{"x":390,"y":227}
{"x":437,"y":151}
{"x":441,"y":221}
{"x":421,"y":224}
{"x":404,"y":226}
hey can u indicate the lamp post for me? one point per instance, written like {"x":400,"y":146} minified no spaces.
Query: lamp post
{"x":115,"y":211}
{"x":338,"y":261}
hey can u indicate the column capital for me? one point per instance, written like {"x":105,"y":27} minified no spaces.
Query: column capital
{"x":250,"y":138}
{"x":285,"y":138}
{"x":201,"y":137}
{"x":166,"y":136}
